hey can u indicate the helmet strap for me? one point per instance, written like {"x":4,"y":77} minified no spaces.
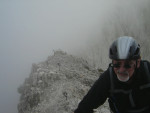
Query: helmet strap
{"x":136,"y":65}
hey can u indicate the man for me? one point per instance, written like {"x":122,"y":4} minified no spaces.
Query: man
{"x":126,"y":83}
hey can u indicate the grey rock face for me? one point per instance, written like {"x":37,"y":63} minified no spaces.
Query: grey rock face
{"x":57,"y":85}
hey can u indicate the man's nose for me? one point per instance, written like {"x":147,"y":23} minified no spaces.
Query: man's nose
{"x":122,"y":68}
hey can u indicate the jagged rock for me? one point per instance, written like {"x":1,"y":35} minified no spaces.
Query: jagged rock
{"x":57,"y":85}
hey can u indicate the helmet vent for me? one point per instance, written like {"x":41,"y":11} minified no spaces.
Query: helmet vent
{"x":111,"y":53}
{"x":137,"y":51}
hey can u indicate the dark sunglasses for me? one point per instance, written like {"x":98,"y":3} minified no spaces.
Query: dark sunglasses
{"x":127,"y":66}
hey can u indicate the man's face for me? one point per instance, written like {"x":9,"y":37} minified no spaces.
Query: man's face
{"x":124,"y":69}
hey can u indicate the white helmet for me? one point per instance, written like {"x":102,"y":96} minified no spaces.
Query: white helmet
{"x":124,"y":48}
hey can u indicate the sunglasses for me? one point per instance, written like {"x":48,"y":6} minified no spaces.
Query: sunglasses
{"x":127,"y":65}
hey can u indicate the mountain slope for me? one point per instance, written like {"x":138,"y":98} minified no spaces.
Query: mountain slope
{"x":57,"y":85}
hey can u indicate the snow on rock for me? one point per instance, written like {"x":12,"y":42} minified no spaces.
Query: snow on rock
{"x":57,"y":85}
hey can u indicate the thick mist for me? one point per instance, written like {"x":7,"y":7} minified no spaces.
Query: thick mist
{"x":127,"y":18}
{"x":31,"y":30}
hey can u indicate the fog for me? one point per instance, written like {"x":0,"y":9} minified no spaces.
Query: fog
{"x":31,"y":30}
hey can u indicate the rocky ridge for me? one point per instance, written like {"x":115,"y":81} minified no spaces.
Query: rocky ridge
{"x":57,"y":85}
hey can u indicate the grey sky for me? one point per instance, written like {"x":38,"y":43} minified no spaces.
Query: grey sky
{"x":31,"y":29}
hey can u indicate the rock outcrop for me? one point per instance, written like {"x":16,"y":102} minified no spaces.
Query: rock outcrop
{"x":57,"y":85}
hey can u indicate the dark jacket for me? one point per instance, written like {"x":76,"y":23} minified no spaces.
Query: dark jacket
{"x":124,"y":97}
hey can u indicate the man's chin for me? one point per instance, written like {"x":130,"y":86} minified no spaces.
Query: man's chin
{"x":123,"y":78}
